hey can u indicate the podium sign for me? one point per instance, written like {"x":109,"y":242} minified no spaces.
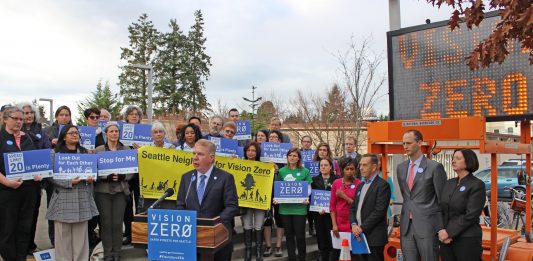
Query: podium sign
{"x":171,"y":234}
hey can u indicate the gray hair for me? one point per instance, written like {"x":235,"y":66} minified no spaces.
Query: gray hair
{"x":23,"y":105}
{"x":156,"y":125}
{"x":132,"y":108}
{"x":219,"y":117}
{"x":104,"y":111}
{"x":7,"y":113}
{"x":110,"y":124}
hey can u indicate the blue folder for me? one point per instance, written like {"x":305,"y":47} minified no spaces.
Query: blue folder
{"x":360,"y":246}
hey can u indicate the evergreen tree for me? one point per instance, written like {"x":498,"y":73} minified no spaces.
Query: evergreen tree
{"x":168,"y":67}
{"x":334,"y":108}
{"x":102,"y":98}
{"x":196,"y":70}
{"x":143,"y":46}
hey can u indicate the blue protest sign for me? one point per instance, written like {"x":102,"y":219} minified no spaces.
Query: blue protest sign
{"x":140,"y":134}
{"x":244,"y":131}
{"x":225,"y":147}
{"x":69,"y":166}
{"x":240,"y":152}
{"x":320,"y":200}
{"x":290,"y":191}
{"x":313,"y":167}
{"x":274,"y":152}
{"x":171,"y":234}
{"x":27,"y":164}
{"x":307,"y":155}
{"x":117,"y":162}
{"x":87,"y":137}
{"x":102,"y":124}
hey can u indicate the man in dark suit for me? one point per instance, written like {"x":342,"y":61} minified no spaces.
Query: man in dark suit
{"x":421,"y":181}
{"x":368,"y":213}
{"x":210,"y":191}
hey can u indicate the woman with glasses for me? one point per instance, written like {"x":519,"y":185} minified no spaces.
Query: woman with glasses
{"x":111,"y":196}
{"x":158,"y":135}
{"x":324,"y":181}
{"x":274,"y":136}
{"x":72,"y":204}
{"x":188,"y":136}
{"x":17,"y":197}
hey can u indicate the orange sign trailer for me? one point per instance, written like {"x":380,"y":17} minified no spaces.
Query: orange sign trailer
{"x":386,"y":138}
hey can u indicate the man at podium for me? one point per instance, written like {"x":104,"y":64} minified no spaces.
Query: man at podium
{"x":210,"y":191}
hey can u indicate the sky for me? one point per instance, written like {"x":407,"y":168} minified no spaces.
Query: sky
{"x":60,"y":49}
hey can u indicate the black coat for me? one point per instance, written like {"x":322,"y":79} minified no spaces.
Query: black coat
{"x":461,"y":205}
{"x":7,"y":144}
{"x":318,"y":182}
{"x":373,"y":211}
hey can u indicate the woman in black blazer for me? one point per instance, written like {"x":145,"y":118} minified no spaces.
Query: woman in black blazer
{"x":323,"y":225}
{"x":462,"y":201}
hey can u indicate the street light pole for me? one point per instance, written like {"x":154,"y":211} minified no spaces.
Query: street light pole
{"x":253,"y":104}
{"x":149,"y":110}
{"x":51,"y":101}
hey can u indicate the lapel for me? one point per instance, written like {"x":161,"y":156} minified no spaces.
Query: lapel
{"x":405,"y":174}
{"x":370,"y":189}
{"x":193,"y":190}
{"x":212,"y":179}
{"x":358,"y":194}
{"x":423,"y":166}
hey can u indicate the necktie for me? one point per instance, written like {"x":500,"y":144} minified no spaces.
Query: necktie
{"x":411,"y":176}
{"x":201,"y":188}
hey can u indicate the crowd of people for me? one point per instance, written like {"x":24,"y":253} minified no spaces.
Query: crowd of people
{"x":439,"y":217}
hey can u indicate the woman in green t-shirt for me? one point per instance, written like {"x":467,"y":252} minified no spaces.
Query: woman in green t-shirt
{"x":294,"y":215}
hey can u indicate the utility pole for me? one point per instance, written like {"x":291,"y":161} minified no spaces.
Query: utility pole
{"x":253,"y":103}
{"x":150,"y":69}
{"x":51,"y":101}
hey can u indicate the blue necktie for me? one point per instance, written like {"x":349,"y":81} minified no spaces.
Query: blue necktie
{"x":201,"y":188}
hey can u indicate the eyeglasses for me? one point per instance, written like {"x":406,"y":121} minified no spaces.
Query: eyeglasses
{"x":229,"y":131}
{"x":306,"y":141}
{"x":92,"y":117}
{"x":16,"y":118}
{"x":273,"y":137}
{"x":73,"y":133}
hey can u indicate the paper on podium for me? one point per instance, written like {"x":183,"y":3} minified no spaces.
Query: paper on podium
{"x":337,"y":242}
{"x":359,"y":246}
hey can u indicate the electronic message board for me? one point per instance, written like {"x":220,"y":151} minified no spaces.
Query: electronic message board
{"x":429,"y":78}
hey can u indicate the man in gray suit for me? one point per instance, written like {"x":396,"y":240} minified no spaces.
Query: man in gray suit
{"x":421,"y":181}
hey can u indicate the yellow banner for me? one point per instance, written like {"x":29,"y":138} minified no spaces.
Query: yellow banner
{"x":160,"y":169}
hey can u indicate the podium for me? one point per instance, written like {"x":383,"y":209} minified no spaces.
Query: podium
{"x":211,"y":235}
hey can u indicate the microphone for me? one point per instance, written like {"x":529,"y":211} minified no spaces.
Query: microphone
{"x":193,"y":178}
{"x":169,"y":192}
